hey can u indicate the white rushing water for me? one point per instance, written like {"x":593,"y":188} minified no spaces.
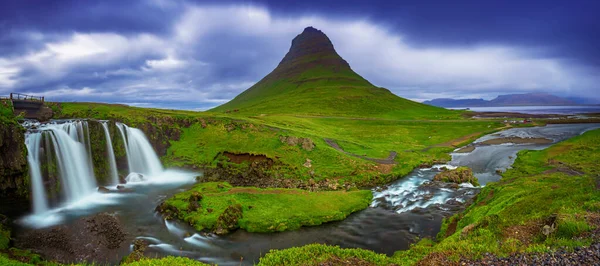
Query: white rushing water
{"x":74,"y":166}
{"x":37,"y":184}
{"x":114,"y":176}
{"x":140,"y":156}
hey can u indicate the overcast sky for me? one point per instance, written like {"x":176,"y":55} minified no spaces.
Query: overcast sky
{"x":199,"y":54}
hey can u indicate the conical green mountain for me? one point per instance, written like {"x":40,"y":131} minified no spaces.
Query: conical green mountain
{"x":312,"y":79}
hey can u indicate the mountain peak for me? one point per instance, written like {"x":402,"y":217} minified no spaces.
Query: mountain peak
{"x":312,"y":79}
{"x":312,"y":44}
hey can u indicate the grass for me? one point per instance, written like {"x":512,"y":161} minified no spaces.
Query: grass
{"x":541,"y":189}
{"x":264,"y":210}
{"x":6,"y":113}
{"x":203,"y":136}
{"x":167,"y":261}
{"x":317,"y":254}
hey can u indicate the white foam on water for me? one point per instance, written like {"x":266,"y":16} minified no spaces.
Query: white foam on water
{"x":154,"y":240}
{"x":198,"y":240}
{"x":57,"y":215}
{"x":173,"y":229}
{"x":167,"y":248}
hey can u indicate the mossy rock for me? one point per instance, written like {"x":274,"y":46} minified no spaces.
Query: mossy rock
{"x":459,"y":175}
{"x":228,"y":220}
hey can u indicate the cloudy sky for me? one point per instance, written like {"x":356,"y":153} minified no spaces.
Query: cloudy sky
{"x":199,"y":54}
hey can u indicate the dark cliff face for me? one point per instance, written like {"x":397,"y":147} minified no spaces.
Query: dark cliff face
{"x":14,"y":181}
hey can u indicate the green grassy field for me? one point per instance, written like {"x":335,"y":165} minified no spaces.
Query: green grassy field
{"x":263,"y":210}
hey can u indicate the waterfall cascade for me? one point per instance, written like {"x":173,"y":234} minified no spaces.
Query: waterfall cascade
{"x":67,"y":144}
{"x":140,"y":156}
{"x":114,"y":176}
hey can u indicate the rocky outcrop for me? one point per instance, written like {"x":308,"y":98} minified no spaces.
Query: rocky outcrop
{"x":305,"y":143}
{"x":228,"y":220}
{"x":458,"y":176}
{"x":14,"y":184}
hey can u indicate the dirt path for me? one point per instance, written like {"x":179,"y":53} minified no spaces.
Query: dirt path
{"x":389,"y":160}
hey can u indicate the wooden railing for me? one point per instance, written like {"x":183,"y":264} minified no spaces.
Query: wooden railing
{"x":23,"y":97}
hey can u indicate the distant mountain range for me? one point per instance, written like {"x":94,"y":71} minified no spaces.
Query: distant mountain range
{"x":527,"y":99}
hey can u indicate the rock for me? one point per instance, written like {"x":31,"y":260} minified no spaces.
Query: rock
{"x":139,"y":246}
{"x":103,"y":190}
{"x":307,"y":164}
{"x":466,"y":230}
{"x":305,"y":143}
{"x":458,"y":176}
{"x":228,"y":220}
{"x":194,"y":201}
{"x":119,"y":187}
{"x":547,"y":230}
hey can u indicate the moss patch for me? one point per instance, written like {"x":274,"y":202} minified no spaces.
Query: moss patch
{"x":167,"y":261}
{"x":223,"y":208}
{"x":317,"y":254}
{"x":459,"y":175}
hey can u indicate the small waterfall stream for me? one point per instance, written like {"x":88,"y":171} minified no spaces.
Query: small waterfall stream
{"x":141,"y":157}
{"x":37,"y":186}
{"x":114,"y":176}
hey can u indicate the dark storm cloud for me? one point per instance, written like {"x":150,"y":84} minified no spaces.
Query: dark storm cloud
{"x":194,"y":55}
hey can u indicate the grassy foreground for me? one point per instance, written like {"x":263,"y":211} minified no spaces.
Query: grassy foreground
{"x":217,"y":206}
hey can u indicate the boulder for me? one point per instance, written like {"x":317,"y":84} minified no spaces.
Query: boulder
{"x":458,"y":176}
{"x":228,"y":220}
{"x":103,"y":190}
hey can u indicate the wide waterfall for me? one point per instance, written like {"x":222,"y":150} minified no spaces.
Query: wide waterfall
{"x":114,"y":176}
{"x":141,"y":158}
{"x":64,"y":147}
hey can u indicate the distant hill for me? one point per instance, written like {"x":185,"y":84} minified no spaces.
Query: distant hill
{"x":527,"y":99}
{"x":312,"y":79}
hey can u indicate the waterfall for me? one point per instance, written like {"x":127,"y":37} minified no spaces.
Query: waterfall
{"x":68,"y":145}
{"x":76,"y":172}
{"x":114,"y":176}
{"x":32,"y":141}
{"x":79,"y":131}
{"x":140,"y":155}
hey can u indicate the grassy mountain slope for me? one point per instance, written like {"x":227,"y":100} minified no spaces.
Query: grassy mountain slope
{"x":312,"y":79}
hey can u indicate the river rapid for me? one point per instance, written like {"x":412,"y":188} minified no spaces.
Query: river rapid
{"x":410,"y":208}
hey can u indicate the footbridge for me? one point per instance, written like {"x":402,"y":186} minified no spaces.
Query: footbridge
{"x":31,"y":107}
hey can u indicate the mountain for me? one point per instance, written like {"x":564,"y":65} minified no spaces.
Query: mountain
{"x":527,"y":99}
{"x":447,"y":102}
{"x":312,"y":79}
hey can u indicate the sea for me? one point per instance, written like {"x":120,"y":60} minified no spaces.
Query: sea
{"x":563,"y":110}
